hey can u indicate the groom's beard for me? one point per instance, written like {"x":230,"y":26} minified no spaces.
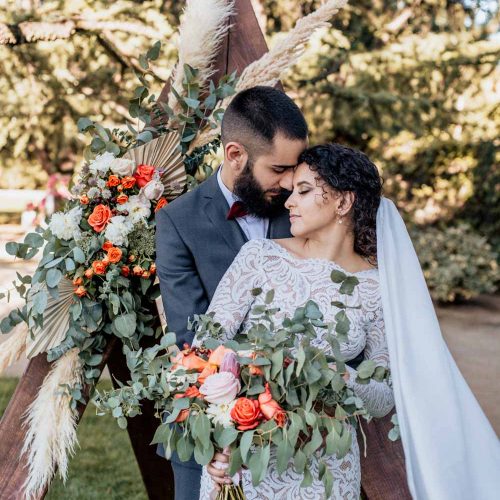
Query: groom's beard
{"x":250,"y":192}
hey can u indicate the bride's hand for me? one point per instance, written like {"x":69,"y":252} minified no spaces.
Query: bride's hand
{"x":217,"y":471}
{"x":346,"y":376}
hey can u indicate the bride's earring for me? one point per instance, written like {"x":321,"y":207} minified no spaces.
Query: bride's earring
{"x":340,"y":218}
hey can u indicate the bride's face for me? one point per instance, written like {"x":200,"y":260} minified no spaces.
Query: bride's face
{"x":312,"y":204}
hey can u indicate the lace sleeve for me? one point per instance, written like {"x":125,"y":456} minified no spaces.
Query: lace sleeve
{"x":233,"y":298}
{"x":377,"y":396}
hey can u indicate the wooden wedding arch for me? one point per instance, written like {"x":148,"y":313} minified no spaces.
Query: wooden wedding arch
{"x":383,"y":472}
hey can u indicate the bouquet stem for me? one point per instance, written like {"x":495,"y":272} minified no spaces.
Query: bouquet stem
{"x":231,"y":492}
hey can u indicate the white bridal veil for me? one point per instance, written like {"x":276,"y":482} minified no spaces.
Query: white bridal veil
{"x":451,"y":450}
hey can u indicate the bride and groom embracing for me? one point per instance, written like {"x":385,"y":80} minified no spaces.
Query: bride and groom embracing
{"x":279,"y":215}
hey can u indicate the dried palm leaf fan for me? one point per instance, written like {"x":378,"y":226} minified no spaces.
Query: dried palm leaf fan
{"x":55,"y":320}
{"x":164,"y":154}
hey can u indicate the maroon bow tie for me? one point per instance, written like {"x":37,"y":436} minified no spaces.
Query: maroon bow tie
{"x":237,"y":210}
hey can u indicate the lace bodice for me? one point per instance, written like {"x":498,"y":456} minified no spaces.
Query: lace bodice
{"x":266,"y":264}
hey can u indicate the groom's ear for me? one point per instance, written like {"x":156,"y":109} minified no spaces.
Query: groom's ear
{"x":236,"y":156}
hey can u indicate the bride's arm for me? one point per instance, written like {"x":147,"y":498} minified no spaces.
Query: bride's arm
{"x":377,"y":396}
{"x":233,"y":298}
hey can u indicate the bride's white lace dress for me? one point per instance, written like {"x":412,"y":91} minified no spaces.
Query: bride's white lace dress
{"x":267,"y":265}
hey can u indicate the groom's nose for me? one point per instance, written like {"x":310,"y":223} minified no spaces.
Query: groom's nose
{"x":286,"y":180}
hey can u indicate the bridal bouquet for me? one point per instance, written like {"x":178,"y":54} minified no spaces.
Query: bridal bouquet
{"x":270,"y":388}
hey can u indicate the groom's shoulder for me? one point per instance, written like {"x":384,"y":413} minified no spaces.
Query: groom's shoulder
{"x":185,"y":206}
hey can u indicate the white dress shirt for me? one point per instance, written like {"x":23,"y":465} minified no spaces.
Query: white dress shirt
{"x":253,"y":227}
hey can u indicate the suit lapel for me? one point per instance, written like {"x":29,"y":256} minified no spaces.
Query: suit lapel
{"x":216,"y":210}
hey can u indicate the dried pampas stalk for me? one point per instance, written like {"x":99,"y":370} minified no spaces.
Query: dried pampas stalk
{"x":51,"y":435}
{"x":202,"y":30}
{"x":13,"y":348}
{"x":270,"y":67}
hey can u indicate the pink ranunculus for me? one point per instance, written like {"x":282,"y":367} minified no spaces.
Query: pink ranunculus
{"x":220,"y":388}
{"x":230,"y":364}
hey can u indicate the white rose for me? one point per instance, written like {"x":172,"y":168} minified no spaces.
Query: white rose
{"x":220,"y":388}
{"x":153,"y":189}
{"x":122,"y":167}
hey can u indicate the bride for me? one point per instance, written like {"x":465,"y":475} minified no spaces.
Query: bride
{"x":339,"y":221}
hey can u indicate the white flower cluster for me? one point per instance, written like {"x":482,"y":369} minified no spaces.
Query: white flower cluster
{"x":118,"y":229}
{"x":66,"y":225}
{"x":138,"y":208}
{"x":221,"y":414}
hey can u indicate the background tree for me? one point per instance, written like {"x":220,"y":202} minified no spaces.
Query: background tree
{"x":414,"y":84}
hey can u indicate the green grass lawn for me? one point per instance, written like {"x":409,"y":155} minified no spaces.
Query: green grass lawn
{"x":104,"y":466}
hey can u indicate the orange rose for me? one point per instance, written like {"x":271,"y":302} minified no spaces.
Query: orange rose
{"x":125,"y":271}
{"x":246,"y":413}
{"x":114,"y":255}
{"x":193,"y":392}
{"x":107,"y":245}
{"x":132,"y":258}
{"x":137,"y":270}
{"x":128,"y":182}
{"x":99,"y":218}
{"x":80,"y":291}
{"x":153,"y":268}
{"x":144,"y":174}
{"x":99,"y":267}
{"x":84,"y":199}
{"x":89,"y":273}
{"x":145,"y":274}
{"x":123,"y":198}
{"x":270,"y":408}
{"x":161,"y":203}
{"x":77,"y":281}
{"x":113,"y":181}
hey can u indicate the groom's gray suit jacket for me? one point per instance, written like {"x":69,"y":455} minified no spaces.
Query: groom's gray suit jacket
{"x":195,"y":245}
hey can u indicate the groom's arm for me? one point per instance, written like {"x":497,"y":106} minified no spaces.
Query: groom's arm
{"x":182,"y":292}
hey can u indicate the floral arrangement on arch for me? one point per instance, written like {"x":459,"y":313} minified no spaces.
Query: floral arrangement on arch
{"x":96,"y":278}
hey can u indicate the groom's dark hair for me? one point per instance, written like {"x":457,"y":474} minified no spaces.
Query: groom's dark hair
{"x":256,"y":115}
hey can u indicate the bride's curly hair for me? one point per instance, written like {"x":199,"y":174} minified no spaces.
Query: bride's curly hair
{"x":346,"y":169}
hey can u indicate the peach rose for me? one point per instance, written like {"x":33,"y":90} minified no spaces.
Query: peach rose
{"x":80,"y":291}
{"x":113,"y":181}
{"x":161,"y":203}
{"x":107,"y":245}
{"x":125,"y":271}
{"x":270,"y":408}
{"x":99,"y":218}
{"x":246,"y":413}
{"x":89,"y":273}
{"x":128,"y":182}
{"x":144,"y":174}
{"x":217,"y":355}
{"x":77,"y":281}
{"x":137,"y":270}
{"x":99,"y":267}
{"x":206,"y":372}
{"x":123,"y":198}
{"x":114,"y":255}
{"x":153,"y":268}
{"x":254,"y":369}
{"x":84,"y":199}
{"x":189,"y":361}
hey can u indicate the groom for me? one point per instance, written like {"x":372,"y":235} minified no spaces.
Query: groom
{"x":199,"y":234}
